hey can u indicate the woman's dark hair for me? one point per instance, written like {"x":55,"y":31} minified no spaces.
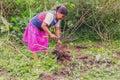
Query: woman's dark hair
{"x":62,"y":9}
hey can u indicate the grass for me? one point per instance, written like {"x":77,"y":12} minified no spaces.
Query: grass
{"x":17,"y":61}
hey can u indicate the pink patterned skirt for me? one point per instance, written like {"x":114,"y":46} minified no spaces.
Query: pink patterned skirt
{"x":36,"y":40}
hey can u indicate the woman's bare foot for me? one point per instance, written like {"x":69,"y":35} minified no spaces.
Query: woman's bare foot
{"x":45,"y":52}
{"x":35,"y":56}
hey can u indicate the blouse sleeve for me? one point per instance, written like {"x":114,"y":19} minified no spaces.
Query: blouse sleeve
{"x":49,"y":18}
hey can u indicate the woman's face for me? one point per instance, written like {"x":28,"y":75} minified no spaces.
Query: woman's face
{"x":59,"y":16}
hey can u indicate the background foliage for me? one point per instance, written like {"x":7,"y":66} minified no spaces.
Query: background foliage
{"x":89,"y":19}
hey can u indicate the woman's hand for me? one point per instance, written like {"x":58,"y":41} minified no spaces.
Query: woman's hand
{"x":59,"y":42}
{"x":53,"y":36}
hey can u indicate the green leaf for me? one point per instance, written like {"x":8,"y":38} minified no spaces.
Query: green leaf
{"x":16,"y":28}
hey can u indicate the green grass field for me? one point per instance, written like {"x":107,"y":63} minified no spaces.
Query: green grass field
{"x":103,"y":62}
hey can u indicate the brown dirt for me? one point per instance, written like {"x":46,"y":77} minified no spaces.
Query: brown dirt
{"x":79,"y":48}
{"x":118,"y":55}
{"x":89,"y":62}
{"x":74,"y":66}
{"x":84,"y":56}
{"x":44,"y":76}
{"x":56,"y":75}
{"x":62,"y":53}
{"x":5,"y":75}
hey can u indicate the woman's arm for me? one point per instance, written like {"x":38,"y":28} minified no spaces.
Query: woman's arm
{"x":45,"y":28}
{"x":57,"y":31}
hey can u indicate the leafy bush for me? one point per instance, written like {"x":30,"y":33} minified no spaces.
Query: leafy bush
{"x":96,"y":19}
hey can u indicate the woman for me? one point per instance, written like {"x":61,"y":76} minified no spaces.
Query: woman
{"x":37,"y":31}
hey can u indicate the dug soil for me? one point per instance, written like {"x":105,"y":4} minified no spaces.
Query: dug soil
{"x":6,"y":75}
{"x":64,"y":55}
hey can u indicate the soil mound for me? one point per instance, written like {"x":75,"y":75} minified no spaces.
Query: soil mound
{"x":62,"y":53}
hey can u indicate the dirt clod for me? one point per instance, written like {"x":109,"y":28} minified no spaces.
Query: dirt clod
{"x":6,"y":74}
{"x":118,"y":55}
{"x":85,"y":56}
{"x":62,"y":53}
{"x":44,"y":76}
{"x":61,"y":75}
{"x":81,"y":47}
